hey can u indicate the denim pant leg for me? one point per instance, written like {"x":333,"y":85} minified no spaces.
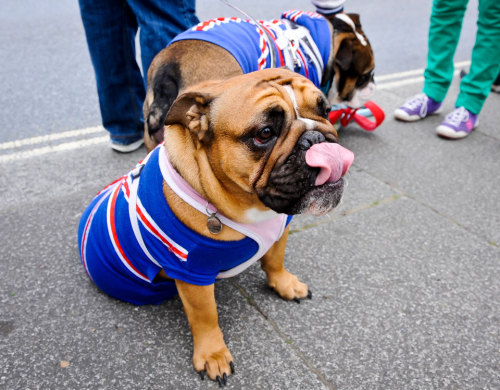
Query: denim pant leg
{"x":160,"y":21}
{"x":111,"y":27}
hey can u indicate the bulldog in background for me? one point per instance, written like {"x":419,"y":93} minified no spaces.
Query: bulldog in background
{"x":240,"y":157}
{"x":333,"y":53}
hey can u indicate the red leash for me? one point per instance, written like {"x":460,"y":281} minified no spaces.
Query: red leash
{"x":346,"y":115}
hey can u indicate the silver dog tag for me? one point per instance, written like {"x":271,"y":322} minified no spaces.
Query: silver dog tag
{"x":214,"y":224}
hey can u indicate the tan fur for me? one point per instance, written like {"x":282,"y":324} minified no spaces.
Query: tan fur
{"x":202,"y":139}
{"x":210,"y":353}
{"x":287,"y":285}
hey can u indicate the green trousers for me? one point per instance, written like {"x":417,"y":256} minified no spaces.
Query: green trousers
{"x":444,"y":32}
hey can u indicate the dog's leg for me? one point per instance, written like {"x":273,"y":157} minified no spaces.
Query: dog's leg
{"x":210,"y":354}
{"x":287,"y":285}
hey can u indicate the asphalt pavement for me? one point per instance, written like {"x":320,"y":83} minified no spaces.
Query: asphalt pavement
{"x":405,"y":274}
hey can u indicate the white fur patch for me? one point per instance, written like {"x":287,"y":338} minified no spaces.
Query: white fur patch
{"x":361,"y":96}
{"x":254,"y":215}
{"x":346,"y":19}
{"x":333,"y":95}
{"x":310,"y":124}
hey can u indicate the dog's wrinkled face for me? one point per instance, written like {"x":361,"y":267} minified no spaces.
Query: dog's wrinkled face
{"x":250,"y":135}
{"x":354,"y":63}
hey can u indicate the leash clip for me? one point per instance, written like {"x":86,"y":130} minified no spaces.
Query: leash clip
{"x":344,"y":115}
{"x":293,"y":53}
{"x":136,"y":172}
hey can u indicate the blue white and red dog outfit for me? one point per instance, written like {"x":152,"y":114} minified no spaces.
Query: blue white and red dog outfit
{"x":129,"y":233}
{"x":301,"y":40}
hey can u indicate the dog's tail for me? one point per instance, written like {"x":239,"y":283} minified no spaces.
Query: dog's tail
{"x":163,"y":89}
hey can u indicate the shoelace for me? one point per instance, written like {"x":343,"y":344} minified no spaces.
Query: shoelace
{"x":417,"y":101}
{"x":458,"y":116}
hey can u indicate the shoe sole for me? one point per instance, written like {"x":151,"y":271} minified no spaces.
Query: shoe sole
{"x":403,"y":115}
{"x":448,"y":132}
{"x":127,"y":148}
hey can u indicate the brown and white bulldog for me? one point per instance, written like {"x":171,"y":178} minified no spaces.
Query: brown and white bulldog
{"x":240,"y":156}
{"x":333,"y":53}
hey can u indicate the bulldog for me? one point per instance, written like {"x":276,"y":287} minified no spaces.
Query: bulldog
{"x":240,"y":157}
{"x":333,"y":53}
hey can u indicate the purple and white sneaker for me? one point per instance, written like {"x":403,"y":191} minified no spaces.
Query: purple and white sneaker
{"x":458,"y":124}
{"x":417,"y":107}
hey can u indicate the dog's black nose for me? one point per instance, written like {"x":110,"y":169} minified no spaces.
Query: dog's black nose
{"x":309,"y":138}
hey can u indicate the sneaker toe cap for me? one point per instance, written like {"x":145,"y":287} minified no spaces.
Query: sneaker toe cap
{"x":127,"y":148}
{"x":448,"y":132}
{"x":402,"y":115}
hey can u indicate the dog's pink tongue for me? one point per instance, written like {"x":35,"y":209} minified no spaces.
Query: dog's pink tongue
{"x":333,"y":160}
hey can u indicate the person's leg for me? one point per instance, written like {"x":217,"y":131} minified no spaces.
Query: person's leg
{"x":496,"y":84}
{"x":444,"y":32}
{"x":160,"y":21}
{"x":475,"y":86}
{"x":110,"y":27}
{"x":485,"y":63}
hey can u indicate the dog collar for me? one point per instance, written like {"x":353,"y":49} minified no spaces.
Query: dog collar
{"x":181,"y":187}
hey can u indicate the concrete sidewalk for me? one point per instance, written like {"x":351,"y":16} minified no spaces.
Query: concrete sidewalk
{"x":405,"y":277}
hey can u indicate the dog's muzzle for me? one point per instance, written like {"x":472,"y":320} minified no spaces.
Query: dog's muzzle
{"x":310,"y":180}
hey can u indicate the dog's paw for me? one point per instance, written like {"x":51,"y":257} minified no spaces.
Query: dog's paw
{"x":214,"y":360}
{"x":288,"y":286}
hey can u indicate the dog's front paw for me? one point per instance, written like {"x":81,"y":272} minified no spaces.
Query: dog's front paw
{"x":212,"y":358}
{"x":288,"y":286}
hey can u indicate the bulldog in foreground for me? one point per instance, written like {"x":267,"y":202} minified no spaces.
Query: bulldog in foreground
{"x":240,"y":157}
{"x":333,"y":53}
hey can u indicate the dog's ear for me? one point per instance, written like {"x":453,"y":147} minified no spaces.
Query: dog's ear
{"x":344,"y":54}
{"x":192,"y":109}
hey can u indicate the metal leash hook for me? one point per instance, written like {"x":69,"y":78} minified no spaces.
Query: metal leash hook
{"x":265,"y":33}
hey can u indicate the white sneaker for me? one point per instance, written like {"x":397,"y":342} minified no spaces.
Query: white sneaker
{"x":122,"y":148}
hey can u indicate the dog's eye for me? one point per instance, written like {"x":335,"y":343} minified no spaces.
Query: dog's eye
{"x":364,"y":79}
{"x":323,"y":107}
{"x":264,"y":135}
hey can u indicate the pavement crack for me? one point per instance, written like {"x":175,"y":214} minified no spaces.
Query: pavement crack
{"x":453,"y":220}
{"x":345,"y":213}
{"x":436,"y":211}
{"x":282,"y":335}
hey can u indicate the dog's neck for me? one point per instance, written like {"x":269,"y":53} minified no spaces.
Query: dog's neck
{"x":263,"y":230}
{"x":329,"y":72}
{"x":209,"y":190}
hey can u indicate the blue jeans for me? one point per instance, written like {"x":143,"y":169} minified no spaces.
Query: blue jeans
{"x":111,"y":27}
